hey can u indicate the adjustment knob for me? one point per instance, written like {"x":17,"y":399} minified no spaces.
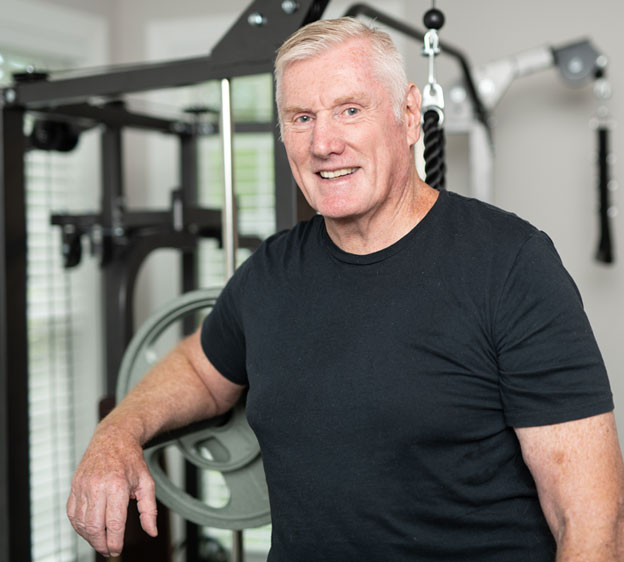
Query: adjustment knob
{"x":433,"y":19}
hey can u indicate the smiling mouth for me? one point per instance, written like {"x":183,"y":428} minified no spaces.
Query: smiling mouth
{"x":332,"y":174}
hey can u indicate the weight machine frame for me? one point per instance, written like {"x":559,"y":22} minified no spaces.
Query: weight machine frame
{"x":248,"y":48}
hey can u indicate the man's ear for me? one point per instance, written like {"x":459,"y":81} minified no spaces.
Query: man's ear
{"x":412,"y":113}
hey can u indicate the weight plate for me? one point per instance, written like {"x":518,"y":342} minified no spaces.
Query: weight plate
{"x":230,"y":448}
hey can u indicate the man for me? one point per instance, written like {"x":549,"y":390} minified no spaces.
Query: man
{"x":422,"y":378}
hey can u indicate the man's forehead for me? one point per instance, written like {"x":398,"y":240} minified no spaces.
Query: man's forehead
{"x":352,"y":51}
{"x":346,"y":72}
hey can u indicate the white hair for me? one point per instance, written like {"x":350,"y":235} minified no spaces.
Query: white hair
{"x":319,"y":36}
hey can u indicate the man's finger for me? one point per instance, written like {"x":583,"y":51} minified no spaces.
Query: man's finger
{"x":70,"y":508}
{"x":146,"y":504}
{"x":116,"y":512}
{"x":91,"y":524}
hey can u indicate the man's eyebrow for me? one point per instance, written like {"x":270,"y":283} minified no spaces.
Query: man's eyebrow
{"x":291,"y":110}
{"x":357,"y":97}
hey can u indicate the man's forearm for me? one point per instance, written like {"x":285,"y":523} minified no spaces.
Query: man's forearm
{"x":171,"y":395}
{"x":182,"y":388}
{"x":602,"y":544}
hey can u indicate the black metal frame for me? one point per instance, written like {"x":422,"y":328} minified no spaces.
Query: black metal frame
{"x":245,"y":49}
{"x":15,"y":492}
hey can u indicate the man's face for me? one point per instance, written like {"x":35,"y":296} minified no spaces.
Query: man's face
{"x":348,"y":153}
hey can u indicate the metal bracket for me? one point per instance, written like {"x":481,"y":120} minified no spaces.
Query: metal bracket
{"x":433,"y":95}
{"x":433,"y":100}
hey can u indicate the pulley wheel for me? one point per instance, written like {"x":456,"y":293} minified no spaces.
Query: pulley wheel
{"x":228,"y":447}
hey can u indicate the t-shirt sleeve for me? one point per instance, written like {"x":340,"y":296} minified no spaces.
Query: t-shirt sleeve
{"x":222,"y":333}
{"x":551,"y":369}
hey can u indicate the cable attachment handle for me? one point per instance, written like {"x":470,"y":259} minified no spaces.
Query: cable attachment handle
{"x":433,"y":96}
{"x":603,"y":125}
{"x":433,"y":106}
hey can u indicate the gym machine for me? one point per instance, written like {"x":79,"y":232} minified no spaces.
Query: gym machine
{"x":122,"y":238}
{"x":469,"y":102}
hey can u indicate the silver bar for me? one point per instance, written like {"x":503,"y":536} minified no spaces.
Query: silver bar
{"x":481,"y":164}
{"x":228,"y":219}
{"x":229,"y":230}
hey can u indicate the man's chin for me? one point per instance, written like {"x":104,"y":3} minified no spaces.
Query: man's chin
{"x":339,"y":217}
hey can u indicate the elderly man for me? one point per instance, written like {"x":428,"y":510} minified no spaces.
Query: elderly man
{"x":421,"y":376}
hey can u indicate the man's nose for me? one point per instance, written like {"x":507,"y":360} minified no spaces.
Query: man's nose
{"x":327,"y":138}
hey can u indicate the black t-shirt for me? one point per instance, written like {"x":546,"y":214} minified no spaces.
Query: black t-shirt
{"x":384,"y":388}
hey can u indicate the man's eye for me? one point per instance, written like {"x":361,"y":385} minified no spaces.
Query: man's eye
{"x":302,"y":119}
{"x":352,"y":111}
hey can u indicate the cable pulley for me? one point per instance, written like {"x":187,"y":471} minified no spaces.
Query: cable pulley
{"x":433,"y":105}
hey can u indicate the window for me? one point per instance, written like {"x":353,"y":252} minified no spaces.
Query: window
{"x":51,"y":396}
{"x":253,"y":170}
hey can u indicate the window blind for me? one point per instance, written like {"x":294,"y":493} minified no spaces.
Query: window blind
{"x":51,"y":398}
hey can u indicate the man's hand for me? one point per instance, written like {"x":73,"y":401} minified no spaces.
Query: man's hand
{"x":184,"y":387}
{"x":111,"y":472}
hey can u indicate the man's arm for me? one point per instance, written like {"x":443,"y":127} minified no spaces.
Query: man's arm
{"x":579,"y":473}
{"x":184,"y":387}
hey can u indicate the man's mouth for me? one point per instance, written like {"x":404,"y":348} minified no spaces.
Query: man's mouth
{"x":332,"y":174}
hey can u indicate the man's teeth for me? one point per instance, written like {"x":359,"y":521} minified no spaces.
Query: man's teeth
{"x":328,"y":175}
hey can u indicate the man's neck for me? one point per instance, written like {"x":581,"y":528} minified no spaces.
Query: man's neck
{"x":365,"y":235}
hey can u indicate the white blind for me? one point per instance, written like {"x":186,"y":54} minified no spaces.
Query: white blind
{"x":51,"y":398}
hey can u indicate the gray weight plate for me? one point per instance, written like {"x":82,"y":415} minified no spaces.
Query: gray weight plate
{"x":230,"y":449}
{"x":222,"y":447}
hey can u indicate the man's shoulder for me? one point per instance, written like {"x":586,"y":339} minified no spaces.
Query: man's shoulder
{"x":485,"y":221}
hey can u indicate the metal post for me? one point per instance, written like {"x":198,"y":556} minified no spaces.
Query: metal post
{"x":285,"y":187}
{"x":229,"y":226}
{"x":117,"y":316}
{"x":238,"y":549}
{"x":14,"y":435}
{"x":188,"y":196}
{"x":481,"y":163}
{"x":5,"y":485}
{"x":229,"y":212}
